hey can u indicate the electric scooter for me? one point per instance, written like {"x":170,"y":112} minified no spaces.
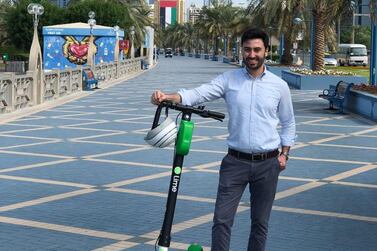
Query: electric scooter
{"x":182,"y":147}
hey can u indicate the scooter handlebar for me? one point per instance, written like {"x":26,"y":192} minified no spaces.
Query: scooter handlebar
{"x":196,"y":110}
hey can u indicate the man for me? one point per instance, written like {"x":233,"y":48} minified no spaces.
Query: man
{"x":256,"y":100}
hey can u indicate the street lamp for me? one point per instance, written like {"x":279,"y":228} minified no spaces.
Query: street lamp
{"x":227,"y":43}
{"x":91,"y":21}
{"x":299,"y":21}
{"x":35,"y":57}
{"x":116,"y":49}
{"x":312,"y":26}
{"x":217,"y":46}
{"x":373,"y":55}
{"x":270,"y":29}
{"x":91,"y":49}
{"x":132,"y":33}
{"x":238,"y":55}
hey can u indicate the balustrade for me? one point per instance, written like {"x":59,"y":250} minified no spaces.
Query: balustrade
{"x":20,"y":91}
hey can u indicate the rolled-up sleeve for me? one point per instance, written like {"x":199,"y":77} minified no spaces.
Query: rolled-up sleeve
{"x":206,"y":92}
{"x":287,"y":118}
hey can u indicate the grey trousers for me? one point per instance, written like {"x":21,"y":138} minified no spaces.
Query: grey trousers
{"x":235,"y":174}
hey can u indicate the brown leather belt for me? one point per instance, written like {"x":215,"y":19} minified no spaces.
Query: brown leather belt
{"x":253,"y":156}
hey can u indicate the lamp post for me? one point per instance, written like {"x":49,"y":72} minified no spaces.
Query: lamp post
{"x":281,"y":46}
{"x":217,"y":46}
{"x":239,"y":51}
{"x":373,"y":55}
{"x":229,"y":44}
{"x":132,"y":32}
{"x":116,"y":49}
{"x":225,"y":45}
{"x":91,"y":48}
{"x":35,"y":57}
{"x":299,"y":21}
{"x":270,"y":40}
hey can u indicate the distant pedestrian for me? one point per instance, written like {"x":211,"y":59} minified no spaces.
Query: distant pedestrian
{"x":257,"y":100}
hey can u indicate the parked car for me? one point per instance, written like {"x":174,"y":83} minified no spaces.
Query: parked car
{"x":168,"y":53}
{"x":330,"y":61}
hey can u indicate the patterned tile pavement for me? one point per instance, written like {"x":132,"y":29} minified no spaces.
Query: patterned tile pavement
{"x":79,"y":176}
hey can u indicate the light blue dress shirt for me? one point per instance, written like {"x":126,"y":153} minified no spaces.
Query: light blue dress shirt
{"x":255,"y":107}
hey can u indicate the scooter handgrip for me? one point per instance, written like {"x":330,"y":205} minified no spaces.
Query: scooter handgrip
{"x":216,"y":115}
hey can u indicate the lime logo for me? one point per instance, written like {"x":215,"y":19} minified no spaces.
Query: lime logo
{"x":177,"y":170}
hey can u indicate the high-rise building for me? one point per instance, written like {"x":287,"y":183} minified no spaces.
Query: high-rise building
{"x":60,"y":3}
{"x":193,"y":13}
{"x":206,"y":3}
{"x":169,"y":12}
{"x":361,"y":13}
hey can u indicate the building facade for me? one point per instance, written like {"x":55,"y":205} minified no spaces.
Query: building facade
{"x":60,"y":3}
{"x":361,"y":13}
{"x":193,"y":13}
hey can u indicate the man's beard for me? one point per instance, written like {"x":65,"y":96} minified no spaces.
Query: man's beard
{"x":254,"y":66}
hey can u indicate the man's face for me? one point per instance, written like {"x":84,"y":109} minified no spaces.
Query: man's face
{"x":253,"y":53}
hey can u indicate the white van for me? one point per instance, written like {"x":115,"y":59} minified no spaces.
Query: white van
{"x":352,"y":54}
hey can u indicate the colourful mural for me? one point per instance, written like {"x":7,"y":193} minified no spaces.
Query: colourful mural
{"x":76,"y":51}
{"x":67,"y":47}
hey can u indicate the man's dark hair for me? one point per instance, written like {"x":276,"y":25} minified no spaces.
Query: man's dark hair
{"x":255,"y":33}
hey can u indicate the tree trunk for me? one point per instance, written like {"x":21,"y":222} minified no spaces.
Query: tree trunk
{"x":216,"y":47}
{"x":206,"y":46}
{"x":319,"y":41}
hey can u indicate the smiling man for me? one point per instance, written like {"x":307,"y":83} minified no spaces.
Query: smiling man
{"x":257,"y":100}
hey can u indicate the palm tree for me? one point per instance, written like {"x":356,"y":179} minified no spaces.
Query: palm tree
{"x":137,"y":15}
{"x":202,"y":32}
{"x":324,"y":15}
{"x":240,"y":22}
{"x":281,"y":14}
{"x":219,"y":21}
{"x":3,"y":8}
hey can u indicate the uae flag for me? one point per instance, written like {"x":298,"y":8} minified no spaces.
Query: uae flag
{"x":168,"y":12}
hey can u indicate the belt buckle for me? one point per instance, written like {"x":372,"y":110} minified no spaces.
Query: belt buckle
{"x":257,"y":156}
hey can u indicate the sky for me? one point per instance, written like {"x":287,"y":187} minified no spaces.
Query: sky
{"x":198,"y":3}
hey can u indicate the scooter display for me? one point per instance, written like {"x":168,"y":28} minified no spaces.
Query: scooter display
{"x":182,"y":147}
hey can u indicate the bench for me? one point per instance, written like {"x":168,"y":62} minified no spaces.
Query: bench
{"x":336,"y":95}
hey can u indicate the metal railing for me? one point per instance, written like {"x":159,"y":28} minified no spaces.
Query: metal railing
{"x":25,"y":90}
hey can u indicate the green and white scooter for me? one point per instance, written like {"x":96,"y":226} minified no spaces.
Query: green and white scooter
{"x":160,"y":136}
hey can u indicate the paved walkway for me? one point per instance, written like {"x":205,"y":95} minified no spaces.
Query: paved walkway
{"x":80,"y":177}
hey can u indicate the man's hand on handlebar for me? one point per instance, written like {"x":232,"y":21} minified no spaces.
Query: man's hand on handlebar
{"x":158,"y":96}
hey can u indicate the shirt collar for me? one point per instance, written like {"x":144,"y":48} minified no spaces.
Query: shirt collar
{"x":259,"y":77}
